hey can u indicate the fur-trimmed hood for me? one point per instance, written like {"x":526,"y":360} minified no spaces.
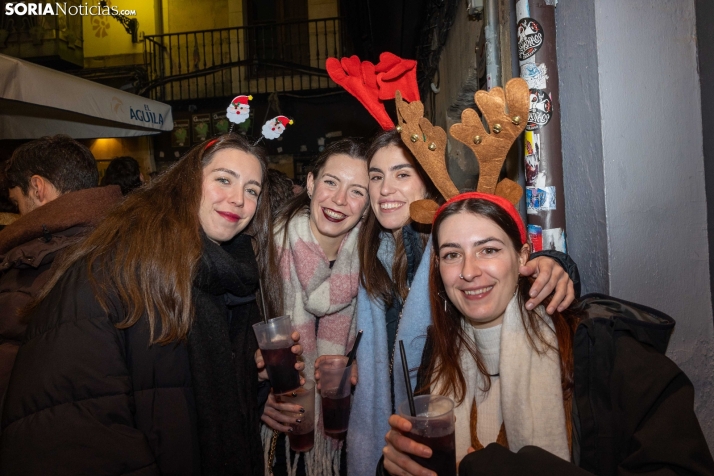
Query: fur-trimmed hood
{"x":81,"y":208}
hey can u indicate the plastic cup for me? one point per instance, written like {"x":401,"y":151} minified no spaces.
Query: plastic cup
{"x":335,"y":389}
{"x":434,"y":427}
{"x":275,"y":342}
{"x":302,"y":438}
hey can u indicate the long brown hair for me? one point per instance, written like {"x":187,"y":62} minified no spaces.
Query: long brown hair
{"x":444,"y":366}
{"x":373,"y":276}
{"x":352,"y":147}
{"x":149,"y":246}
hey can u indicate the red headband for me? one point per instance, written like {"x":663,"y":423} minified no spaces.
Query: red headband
{"x":495,"y":199}
{"x":210,"y":143}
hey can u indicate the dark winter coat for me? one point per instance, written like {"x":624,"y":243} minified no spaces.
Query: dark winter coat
{"x":633,"y":408}
{"x":88,"y":398}
{"x":28,"y":247}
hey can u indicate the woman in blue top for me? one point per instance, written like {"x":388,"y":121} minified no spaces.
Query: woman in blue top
{"x":393,"y":299}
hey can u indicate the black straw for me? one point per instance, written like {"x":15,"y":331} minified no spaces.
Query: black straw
{"x":405,"y":367}
{"x":350,"y":358}
{"x":262,"y":299}
{"x":353,"y":353}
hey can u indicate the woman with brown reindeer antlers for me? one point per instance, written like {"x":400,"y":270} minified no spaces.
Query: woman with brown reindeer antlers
{"x":402,"y":172}
{"x":586,"y":390}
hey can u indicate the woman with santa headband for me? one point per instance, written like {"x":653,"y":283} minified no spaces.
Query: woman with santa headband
{"x":139,"y":353}
{"x":391,"y":247}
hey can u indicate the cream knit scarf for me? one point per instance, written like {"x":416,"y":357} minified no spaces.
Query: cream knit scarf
{"x":531,"y":392}
{"x":312,"y":291}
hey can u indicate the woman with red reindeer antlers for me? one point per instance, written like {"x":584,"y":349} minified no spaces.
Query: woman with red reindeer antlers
{"x":586,"y":390}
{"x":387,"y":310}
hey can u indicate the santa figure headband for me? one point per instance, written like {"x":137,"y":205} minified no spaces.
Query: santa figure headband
{"x":238,"y":111}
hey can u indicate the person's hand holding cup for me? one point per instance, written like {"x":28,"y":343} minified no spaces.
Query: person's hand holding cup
{"x":278,"y":353}
{"x":302,"y":427}
{"x":425,"y":444}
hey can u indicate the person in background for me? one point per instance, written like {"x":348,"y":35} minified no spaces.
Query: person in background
{"x":53,"y":183}
{"x":139,"y":356}
{"x":125,"y":172}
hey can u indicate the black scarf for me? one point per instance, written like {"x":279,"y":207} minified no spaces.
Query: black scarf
{"x":221,"y":345}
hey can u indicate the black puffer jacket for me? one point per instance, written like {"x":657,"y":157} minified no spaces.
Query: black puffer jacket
{"x":633,"y":409}
{"x":28,"y":248}
{"x":88,"y":398}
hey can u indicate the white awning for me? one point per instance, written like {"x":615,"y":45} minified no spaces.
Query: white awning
{"x":36,"y":101}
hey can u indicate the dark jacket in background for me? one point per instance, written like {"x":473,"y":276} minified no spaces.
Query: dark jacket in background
{"x":633,"y":408}
{"x":88,"y":398}
{"x":28,"y":247}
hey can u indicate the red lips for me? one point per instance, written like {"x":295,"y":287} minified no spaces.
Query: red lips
{"x":231,"y":217}
{"x":477,"y":297}
{"x":333,"y":219}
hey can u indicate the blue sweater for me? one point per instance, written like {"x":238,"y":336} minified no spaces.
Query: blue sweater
{"x":372,"y":403}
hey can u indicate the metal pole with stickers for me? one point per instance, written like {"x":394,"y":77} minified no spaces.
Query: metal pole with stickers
{"x":543,"y":154}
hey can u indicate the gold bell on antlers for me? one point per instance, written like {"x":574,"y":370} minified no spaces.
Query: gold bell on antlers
{"x":504,"y":111}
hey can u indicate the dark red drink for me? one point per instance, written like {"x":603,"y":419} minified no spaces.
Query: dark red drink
{"x":280,"y":364}
{"x":443,"y":453}
{"x":303,"y":442}
{"x":335,"y":414}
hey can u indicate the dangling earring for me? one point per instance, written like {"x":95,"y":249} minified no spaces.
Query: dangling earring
{"x":444,"y":298}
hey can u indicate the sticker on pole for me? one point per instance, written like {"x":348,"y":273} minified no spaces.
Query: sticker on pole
{"x":530,"y":38}
{"x":535,"y":75}
{"x":532,"y":158}
{"x":554,"y":239}
{"x":540,"y":111}
{"x":535,"y":237}
{"x":540,"y":199}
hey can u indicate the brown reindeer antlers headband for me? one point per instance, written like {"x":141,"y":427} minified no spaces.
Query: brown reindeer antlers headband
{"x":506,"y":115}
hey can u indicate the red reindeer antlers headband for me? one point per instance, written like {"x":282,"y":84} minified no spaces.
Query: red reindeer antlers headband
{"x":505,"y":113}
{"x":373,"y":84}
